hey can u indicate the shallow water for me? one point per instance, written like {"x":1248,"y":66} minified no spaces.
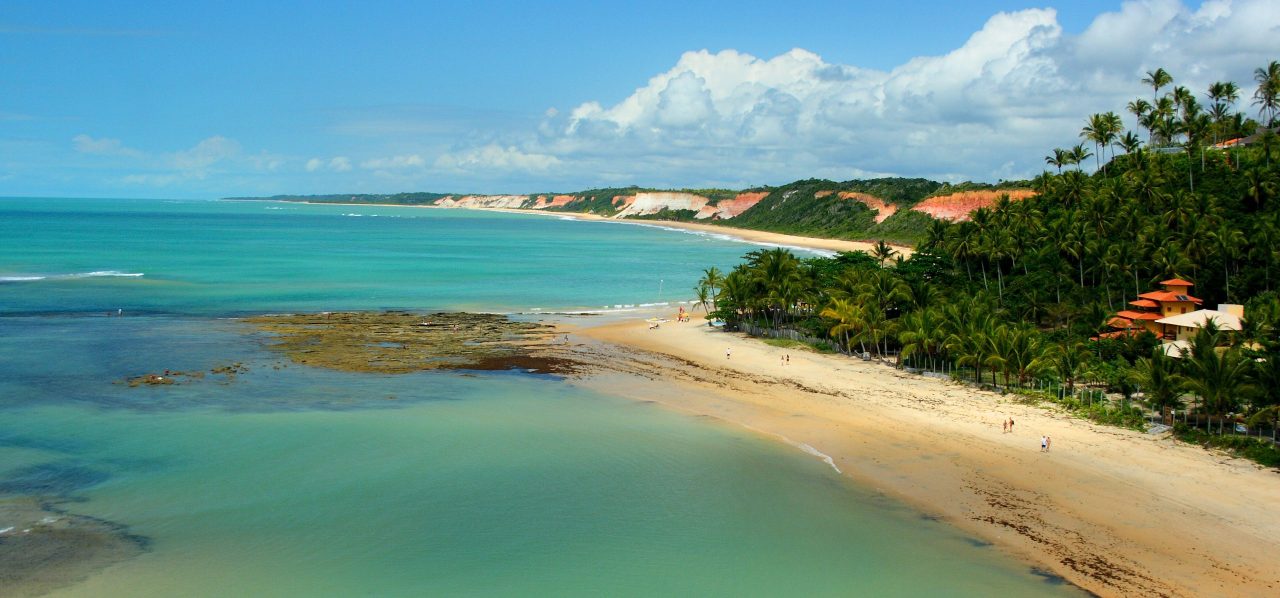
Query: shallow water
{"x":287,"y":480}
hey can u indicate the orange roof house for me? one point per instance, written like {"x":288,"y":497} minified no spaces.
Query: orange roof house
{"x":1174,"y":298}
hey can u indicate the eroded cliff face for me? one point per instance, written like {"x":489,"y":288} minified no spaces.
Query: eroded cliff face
{"x":652,"y":202}
{"x":484,"y":201}
{"x":643,"y":204}
{"x":883,"y":210}
{"x":731,"y":208}
{"x":543,"y":202}
{"x":956,"y":207}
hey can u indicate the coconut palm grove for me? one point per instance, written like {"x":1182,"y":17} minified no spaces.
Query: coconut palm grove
{"x":1022,"y":295}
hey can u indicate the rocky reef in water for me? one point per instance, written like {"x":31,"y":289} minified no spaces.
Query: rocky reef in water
{"x":403,"y":342}
{"x":43,"y":546}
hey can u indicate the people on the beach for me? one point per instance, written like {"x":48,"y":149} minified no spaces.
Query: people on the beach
{"x":1011,"y":424}
{"x":1044,"y":444}
{"x":1004,"y":425}
{"x":788,"y":359}
{"x":727,"y":352}
{"x":1048,"y":443}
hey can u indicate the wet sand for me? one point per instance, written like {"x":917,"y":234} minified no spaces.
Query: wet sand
{"x":1116,"y":512}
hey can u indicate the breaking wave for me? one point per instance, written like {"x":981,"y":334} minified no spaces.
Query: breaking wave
{"x":70,"y":276}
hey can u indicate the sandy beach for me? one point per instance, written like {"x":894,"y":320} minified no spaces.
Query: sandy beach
{"x":1116,"y":512}
{"x":751,"y":236}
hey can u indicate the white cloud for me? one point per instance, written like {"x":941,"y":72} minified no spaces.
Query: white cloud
{"x":334,"y":164}
{"x":496,"y":158}
{"x":989,"y":109}
{"x":197,"y":160}
{"x":103,"y":147}
{"x":404,"y":162}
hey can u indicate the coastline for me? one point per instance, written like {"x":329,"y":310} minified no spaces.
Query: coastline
{"x":1113,"y":511}
{"x":739,"y":234}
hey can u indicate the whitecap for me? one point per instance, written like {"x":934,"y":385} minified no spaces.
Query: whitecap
{"x":72,"y":275}
{"x":817,"y":453}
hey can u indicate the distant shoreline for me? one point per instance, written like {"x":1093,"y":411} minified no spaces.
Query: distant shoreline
{"x":741,"y":234}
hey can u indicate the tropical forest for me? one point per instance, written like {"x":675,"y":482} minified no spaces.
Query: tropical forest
{"x":1022,"y":296}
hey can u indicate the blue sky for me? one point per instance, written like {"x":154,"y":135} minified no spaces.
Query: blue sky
{"x":209,"y":100}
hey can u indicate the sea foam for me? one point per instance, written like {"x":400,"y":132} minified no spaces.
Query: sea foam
{"x":72,"y":275}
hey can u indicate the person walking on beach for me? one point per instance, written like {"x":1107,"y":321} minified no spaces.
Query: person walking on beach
{"x":727,"y":352}
{"x":1011,"y":425}
{"x":1044,"y":444}
{"x":1048,"y":443}
{"x":1004,"y":425}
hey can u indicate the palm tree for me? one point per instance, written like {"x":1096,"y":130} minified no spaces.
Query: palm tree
{"x":964,"y":244}
{"x":882,"y":251}
{"x":920,"y":333}
{"x":1259,"y":187}
{"x":1139,"y":108}
{"x":1266,"y":238}
{"x":1079,"y":154}
{"x":970,"y":344}
{"x":1158,"y":376}
{"x":1219,"y":378}
{"x":848,"y":327}
{"x":1223,"y":94}
{"x":1098,"y":130}
{"x":777,"y":271}
{"x":703,"y":294}
{"x":1183,"y":98}
{"x":736,"y":292}
{"x":712,"y":279}
{"x":1267,"y":96}
{"x":883,"y":288}
{"x":876,"y":326}
{"x":1196,"y":126}
{"x":1168,"y":129}
{"x":1157,"y":79}
{"x":935,"y":235}
{"x":1058,"y":159}
{"x":1018,"y":350}
{"x":1069,"y":359}
{"x":1230,"y":241}
{"x":1129,"y":142}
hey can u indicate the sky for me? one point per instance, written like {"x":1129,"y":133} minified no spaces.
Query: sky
{"x":207,"y":100}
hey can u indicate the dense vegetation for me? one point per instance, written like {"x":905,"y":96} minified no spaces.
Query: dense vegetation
{"x":797,"y":209}
{"x":794,"y":208}
{"x":1013,"y":296}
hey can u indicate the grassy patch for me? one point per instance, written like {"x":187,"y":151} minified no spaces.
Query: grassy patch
{"x":1258,"y":450}
{"x":787,"y":343}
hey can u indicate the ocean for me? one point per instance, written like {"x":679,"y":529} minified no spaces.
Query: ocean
{"x":284,"y":480}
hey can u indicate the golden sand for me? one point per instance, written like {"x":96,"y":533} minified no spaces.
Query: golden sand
{"x":1117,"y":512}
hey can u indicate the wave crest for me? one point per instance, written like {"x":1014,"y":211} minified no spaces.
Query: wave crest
{"x":70,"y":276}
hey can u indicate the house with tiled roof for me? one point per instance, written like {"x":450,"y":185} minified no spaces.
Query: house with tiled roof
{"x":1173,"y":315}
{"x":1173,"y":298}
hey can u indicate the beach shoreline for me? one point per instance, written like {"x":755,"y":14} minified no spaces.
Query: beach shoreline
{"x":1113,"y":511}
{"x":745,"y":235}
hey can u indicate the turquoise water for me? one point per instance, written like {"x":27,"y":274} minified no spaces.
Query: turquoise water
{"x":229,"y":257}
{"x":291,"y":481}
